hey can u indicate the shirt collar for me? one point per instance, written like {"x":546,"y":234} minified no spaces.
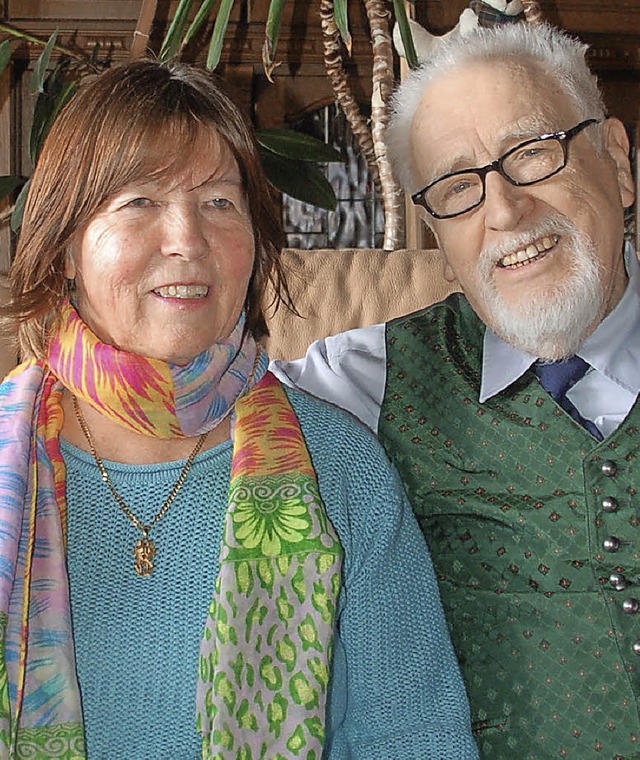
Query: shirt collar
{"x":608,"y":349}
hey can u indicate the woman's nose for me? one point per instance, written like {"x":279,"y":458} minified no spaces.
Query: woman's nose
{"x":184,"y":234}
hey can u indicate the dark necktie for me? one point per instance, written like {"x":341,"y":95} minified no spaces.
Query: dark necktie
{"x":557,"y":378}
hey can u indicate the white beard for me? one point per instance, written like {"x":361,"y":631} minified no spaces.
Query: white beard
{"x":554,"y":321}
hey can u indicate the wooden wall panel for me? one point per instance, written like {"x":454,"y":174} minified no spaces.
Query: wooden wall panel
{"x":614,"y":16}
{"x":611,"y":27}
{"x":69,"y":10}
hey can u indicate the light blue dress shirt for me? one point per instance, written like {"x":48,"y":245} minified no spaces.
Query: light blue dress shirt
{"x":609,"y":389}
{"x":350,"y":369}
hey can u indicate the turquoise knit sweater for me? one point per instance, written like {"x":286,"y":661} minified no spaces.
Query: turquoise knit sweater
{"x":395,"y":690}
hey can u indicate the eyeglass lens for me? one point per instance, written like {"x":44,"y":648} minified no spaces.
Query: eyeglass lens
{"x":528,"y":163}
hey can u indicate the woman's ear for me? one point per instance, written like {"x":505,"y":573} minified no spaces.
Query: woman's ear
{"x":69,"y":266}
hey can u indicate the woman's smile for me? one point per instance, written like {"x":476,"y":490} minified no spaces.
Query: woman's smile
{"x":163,"y":268}
{"x":182,"y":291}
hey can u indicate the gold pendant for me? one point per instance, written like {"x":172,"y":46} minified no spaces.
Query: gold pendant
{"x":144,"y":552}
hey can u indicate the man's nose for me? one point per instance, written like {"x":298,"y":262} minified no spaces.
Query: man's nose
{"x":505,"y":204}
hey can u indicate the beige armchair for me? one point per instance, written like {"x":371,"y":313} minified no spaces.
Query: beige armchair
{"x":335,"y":290}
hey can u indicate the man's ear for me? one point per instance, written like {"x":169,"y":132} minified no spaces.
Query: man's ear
{"x":449,"y":276}
{"x":616,"y":144}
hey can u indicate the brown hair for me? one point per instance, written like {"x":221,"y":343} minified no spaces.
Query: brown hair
{"x":114,"y":131}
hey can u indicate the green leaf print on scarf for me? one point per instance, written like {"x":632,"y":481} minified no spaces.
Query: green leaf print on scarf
{"x":266,"y":669}
{"x":269,"y":525}
{"x":272,"y":644}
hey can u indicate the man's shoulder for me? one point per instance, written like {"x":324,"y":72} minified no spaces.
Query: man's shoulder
{"x":454,"y":311}
{"x":350,"y":369}
{"x":346,"y":369}
{"x":455,"y":303}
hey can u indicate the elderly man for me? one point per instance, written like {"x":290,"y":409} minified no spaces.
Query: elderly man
{"x":511,"y":411}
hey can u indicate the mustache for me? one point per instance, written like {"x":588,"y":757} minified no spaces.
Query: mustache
{"x":554,"y":224}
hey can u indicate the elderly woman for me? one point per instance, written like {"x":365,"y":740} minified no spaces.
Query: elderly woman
{"x":193,"y":562}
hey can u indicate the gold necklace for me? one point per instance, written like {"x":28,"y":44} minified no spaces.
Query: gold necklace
{"x":145,"y":550}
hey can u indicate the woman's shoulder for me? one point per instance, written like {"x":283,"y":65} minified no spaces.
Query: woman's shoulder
{"x":361,"y":489}
{"x":19,"y":392}
{"x":329,"y":422}
{"x":344,"y":452}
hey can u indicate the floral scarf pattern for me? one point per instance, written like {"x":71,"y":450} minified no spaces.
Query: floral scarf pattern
{"x":266,"y":649}
{"x":150,"y":396}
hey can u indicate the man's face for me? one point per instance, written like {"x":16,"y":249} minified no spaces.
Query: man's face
{"x":541,"y":265}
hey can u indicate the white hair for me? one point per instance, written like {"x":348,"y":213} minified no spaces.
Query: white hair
{"x":553,"y":323}
{"x":561,"y":58}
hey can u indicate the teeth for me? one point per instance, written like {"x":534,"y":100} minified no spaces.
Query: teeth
{"x":182,"y":291}
{"x":532,"y":251}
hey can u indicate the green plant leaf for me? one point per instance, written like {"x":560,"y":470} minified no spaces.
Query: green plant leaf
{"x":272,"y":32}
{"x":18,"y":209}
{"x":299,"y":179}
{"x":5,"y":54}
{"x":342,"y":22}
{"x":171,"y":41}
{"x":198,"y":20}
{"x":296,"y":145}
{"x":57,"y":90}
{"x":8,"y":184}
{"x":217,"y":36}
{"x":402,"y":20}
{"x":42,"y":111}
{"x":40,"y":69}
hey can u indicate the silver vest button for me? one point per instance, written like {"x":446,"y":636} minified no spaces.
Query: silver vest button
{"x":609,"y":468}
{"x":609,"y":504}
{"x":636,"y":647}
{"x":630,"y":606}
{"x":618,"y":581}
{"x":611,"y":544}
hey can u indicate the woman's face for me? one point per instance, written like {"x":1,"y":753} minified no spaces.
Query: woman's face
{"x":162,"y":268}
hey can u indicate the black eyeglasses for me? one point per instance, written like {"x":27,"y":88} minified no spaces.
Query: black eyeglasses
{"x":530,"y":162}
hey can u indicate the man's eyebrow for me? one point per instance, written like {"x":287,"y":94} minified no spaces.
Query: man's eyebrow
{"x":512,"y":136}
{"x":526,"y":130}
{"x":448,"y":166}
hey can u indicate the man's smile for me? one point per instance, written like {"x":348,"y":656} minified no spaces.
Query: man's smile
{"x":531,"y":252}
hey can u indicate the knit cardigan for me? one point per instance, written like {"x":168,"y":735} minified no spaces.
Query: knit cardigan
{"x":395,"y":689}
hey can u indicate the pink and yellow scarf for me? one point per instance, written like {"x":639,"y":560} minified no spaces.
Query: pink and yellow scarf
{"x":265,"y":652}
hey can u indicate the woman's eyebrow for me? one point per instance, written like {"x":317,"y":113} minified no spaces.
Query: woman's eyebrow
{"x":221,"y":180}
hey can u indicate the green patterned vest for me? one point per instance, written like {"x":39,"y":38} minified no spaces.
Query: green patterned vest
{"x":529,"y":519}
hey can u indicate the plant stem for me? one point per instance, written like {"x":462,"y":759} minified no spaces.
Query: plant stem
{"x":143,"y":28}
{"x":342,"y":91}
{"x":383,"y":78}
{"x":7,"y":214}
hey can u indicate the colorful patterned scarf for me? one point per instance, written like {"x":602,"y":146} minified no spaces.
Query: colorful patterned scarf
{"x":265,"y":653}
